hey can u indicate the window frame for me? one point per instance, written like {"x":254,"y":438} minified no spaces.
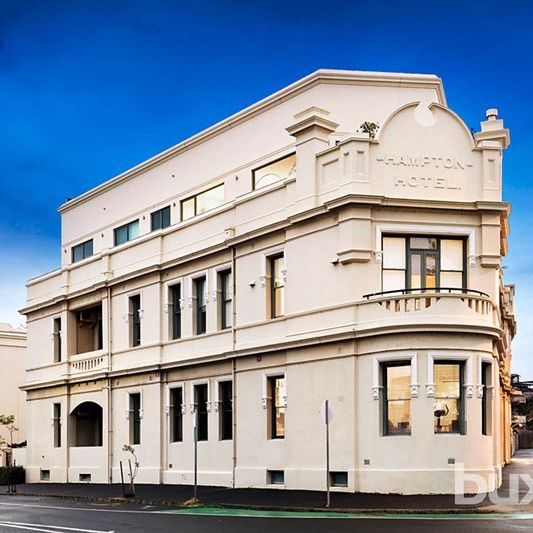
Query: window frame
{"x":274,"y":161}
{"x":160,"y":212}
{"x":195,"y":198}
{"x":409,"y":251}
{"x":273,"y":289}
{"x":135,"y":329}
{"x":273,"y":408}
{"x":226,"y":297}
{"x":57,"y":423}
{"x":176,"y":414}
{"x":175,"y":314}
{"x":82,"y":246}
{"x":202,"y":416}
{"x":57,"y":336}
{"x":463,"y":372}
{"x":384,"y":365}
{"x":225,"y":412}
{"x":135,"y":417}
{"x":200,"y":311}
{"x":128,"y":226}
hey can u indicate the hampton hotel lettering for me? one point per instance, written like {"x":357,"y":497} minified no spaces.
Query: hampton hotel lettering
{"x":425,"y":161}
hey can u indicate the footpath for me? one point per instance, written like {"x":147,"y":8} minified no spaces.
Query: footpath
{"x":279,"y":499}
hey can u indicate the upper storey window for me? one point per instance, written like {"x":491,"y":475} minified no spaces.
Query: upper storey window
{"x":160,"y":219}
{"x":275,"y":171}
{"x":202,"y":202}
{"x":82,"y":251}
{"x":423,"y":263}
{"x":127,"y":232}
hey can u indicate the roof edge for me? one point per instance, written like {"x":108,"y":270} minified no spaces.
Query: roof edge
{"x":332,"y":75}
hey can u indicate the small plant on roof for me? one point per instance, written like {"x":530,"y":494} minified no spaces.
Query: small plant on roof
{"x":369,"y":127}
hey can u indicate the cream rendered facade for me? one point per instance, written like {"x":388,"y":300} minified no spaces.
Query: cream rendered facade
{"x":423,"y":174}
{"x":13,"y":365}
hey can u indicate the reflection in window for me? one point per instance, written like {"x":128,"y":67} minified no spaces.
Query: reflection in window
{"x":397,"y":399}
{"x":277,"y":286}
{"x":278,"y":393}
{"x":160,"y":219}
{"x":202,"y":202}
{"x":273,"y":172}
{"x":448,"y":407}
{"x":82,"y":251}
{"x":127,"y":232}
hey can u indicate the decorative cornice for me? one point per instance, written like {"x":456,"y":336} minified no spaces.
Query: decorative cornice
{"x":347,"y":77}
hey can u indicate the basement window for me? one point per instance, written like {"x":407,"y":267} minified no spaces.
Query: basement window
{"x":338,"y":479}
{"x":85,"y":478}
{"x":89,"y":334}
{"x":45,"y":475}
{"x":276,"y":477}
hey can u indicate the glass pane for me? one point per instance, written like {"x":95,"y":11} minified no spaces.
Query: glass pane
{"x":274,"y":172}
{"x":393,"y":280}
{"x":156,"y":220}
{"x":393,"y":252}
{"x":279,"y":301}
{"x":398,"y":417}
{"x":165,"y":217}
{"x":133,"y":230}
{"x":423,"y":243}
{"x":431,"y":270}
{"x":88,"y":248}
{"x":447,"y":380}
{"x":121,"y":235}
{"x":210,"y":199}
{"x":447,"y":417}
{"x":187,"y":209}
{"x":451,"y":279}
{"x":416,"y":271}
{"x":280,"y":391}
{"x":398,"y":380}
{"x":451,"y":254}
{"x":77,"y":253}
{"x":280,"y":422}
{"x":277,"y":274}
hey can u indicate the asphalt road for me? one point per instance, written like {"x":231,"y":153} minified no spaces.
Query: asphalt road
{"x":51,"y":515}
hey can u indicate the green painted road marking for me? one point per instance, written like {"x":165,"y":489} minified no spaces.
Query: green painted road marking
{"x":257,"y":513}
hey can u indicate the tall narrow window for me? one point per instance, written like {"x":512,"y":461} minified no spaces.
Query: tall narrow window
{"x":278,"y":393}
{"x":201,"y":307}
{"x":57,"y":425}
{"x":160,"y":219}
{"x":175,"y":311}
{"x":57,"y":340}
{"x":225,"y":299}
{"x":82,"y":251}
{"x":277,"y":286}
{"x":396,"y":378}
{"x":448,"y":407}
{"x":135,"y":320}
{"x":200,"y":392}
{"x":135,"y":418}
{"x":486,"y":400}
{"x":176,"y":399}
{"x":226,"y":410}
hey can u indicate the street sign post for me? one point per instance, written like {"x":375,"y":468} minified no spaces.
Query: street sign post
{"x":326,"y":415}
{"x":195,"y":427}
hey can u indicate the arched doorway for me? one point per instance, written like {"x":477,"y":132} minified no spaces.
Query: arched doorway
{"x":86,"y":425}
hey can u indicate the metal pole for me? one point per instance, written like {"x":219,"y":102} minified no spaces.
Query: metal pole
{"x":326,"y":419}
{"x":195,"y":453}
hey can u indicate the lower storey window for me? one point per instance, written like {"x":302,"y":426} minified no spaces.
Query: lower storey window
{"x":200,"y":392}
{"x":396,"y":379}
{"x":449,"y":406}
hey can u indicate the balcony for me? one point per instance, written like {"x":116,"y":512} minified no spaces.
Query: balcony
{"x":439,"y":309}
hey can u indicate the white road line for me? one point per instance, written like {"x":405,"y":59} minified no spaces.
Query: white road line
{"x":27,"y":528}
{"x":62,"y":528}
{"x":81,"y":508}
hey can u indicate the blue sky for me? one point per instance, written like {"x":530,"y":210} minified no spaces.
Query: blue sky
{"x":90,"y":88}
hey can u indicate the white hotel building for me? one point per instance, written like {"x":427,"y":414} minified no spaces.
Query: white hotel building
{"x":283,"y":257}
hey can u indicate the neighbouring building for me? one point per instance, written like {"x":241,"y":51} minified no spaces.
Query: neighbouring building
{"x":12,"y":400}
{"x":339,"y":240}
